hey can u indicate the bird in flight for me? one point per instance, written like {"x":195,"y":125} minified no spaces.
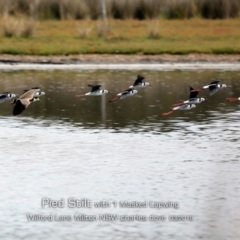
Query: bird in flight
{"x":95,"y":91}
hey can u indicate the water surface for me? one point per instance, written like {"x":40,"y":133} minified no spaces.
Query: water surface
{"x":89,"y":148}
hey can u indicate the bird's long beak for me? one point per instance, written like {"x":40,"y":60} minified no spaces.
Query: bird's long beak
{"x":115,"y":99}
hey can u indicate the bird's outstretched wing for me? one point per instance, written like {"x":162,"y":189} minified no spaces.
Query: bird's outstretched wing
{"x":213,"y":89}
{"x":214,"y":82}
{"x":192,"y":94}
{"x":94,"y":87}
{"x":138,"y":80}
{"x":3,"y":96}
{"x":26,"y":90}
{"x":19,"y":107}
{"x":29,"y":94}
{"x":213,"y":86}
{"x":126,"y":91}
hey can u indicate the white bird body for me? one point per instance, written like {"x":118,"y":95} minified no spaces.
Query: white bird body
{"x":184,"y":107}
{"x":127,"y":93}
{"x":194,"y":101}
{"x":96,"y":91}
{"x":213,"y":87}
{"x":180,"y":107}
{"x":5,"y":96}
{"x":140,"y":85}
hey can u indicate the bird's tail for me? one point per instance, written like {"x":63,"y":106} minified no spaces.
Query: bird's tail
{"x":115,"y":99}
{"x":167,"y":113}
{"x":232,"y":99}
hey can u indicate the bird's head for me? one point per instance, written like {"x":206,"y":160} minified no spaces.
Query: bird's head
{"x":147,"y":84}
{"x":12,"y":95}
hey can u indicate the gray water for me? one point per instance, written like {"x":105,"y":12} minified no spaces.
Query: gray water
{"x":88,"y":148}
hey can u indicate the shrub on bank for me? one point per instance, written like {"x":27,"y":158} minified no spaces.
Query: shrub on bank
{"x":121,"y":9}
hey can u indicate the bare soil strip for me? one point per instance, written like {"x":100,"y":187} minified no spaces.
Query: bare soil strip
{"x":118,"y":58}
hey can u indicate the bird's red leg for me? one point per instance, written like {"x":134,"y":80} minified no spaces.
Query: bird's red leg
{"x":83,"y":95}
{"x":115,"y":99}
{"x":232,"y":99}
{"x":197,"y":90}
{"x":178,"y":104}
{"x":167,"y":113}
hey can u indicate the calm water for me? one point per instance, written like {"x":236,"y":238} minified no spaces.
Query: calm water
{"x":87,"y":148}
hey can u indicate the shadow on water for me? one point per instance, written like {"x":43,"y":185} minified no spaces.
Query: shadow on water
{"x":141,"y":113}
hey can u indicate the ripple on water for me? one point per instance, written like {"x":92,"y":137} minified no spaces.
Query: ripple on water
{"x":86,"y":149}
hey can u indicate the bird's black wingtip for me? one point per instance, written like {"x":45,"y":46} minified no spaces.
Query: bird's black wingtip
{"x":140,"y":77}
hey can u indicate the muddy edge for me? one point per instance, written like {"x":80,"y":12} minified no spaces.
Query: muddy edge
{"x":118,"y":58}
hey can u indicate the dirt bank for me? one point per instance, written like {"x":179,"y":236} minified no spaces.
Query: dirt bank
{"x":109,"y":58}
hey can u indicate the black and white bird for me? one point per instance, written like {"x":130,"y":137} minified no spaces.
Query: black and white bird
{"x":181,"y":107}
{"x":24,"y":101}
{"x":96,"y":91}
{"x":5,"y":96}
{"x":213,"y":87}
{"x":126,"y":93}
{"x":139,"y":83}
{"x":193,"y":99}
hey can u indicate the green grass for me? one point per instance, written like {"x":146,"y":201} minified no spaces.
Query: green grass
{"x":128,"y":37}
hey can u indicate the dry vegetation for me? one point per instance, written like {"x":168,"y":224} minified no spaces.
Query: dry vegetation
{"x":18,"y":28}
{"x":129,"y":37}
{"x":81,"y":30}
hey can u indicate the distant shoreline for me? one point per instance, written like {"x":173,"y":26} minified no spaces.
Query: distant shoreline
{"x":120,"y":58}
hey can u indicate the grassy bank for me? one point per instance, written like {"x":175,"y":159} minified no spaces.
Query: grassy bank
{"x":126,"y":37}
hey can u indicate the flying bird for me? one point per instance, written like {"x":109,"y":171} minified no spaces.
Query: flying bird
{"x":213,"y":87}
{"x":181,"y":107}
{"x":94,"y":92}
{"x":139,"y":83}
{"x":193,"y":99}
{"x":126,"y":93}
{"x":5,"y":96}
{"x":37,"y":94}
{"x":24,"y":101}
